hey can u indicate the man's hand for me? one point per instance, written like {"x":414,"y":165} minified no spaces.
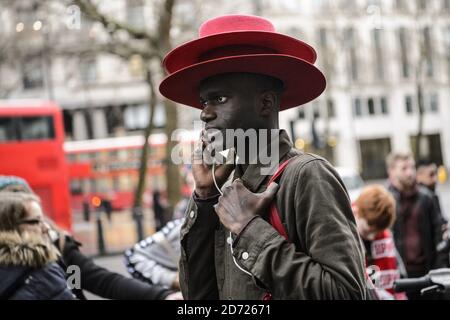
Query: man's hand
{"x":238,"y":205}
{"x":202,"y":172}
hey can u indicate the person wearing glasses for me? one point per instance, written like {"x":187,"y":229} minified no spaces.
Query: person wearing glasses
{"x":28,"y":260}
{"x":95,"y":279}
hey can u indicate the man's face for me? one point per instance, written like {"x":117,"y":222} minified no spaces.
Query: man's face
{"x":403,"y":172}
{"x":427,"y":175}
{"x":229,"y":102}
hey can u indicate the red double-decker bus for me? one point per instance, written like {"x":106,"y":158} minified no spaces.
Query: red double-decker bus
{"x":108,"y":169}
{"x":31,"y":147}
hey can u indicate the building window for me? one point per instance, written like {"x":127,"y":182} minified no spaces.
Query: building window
{"x":135,"y":13}
{"x":330,"y":108}
{"x":428,"y":51}
{"x":409,"y":104}
{"x":378,"y":51}
{"x":357,"y":109}
{"x":400,"y":5}
{"x":422,"y":5}
{"x":88,"y":70}
{"x":384,"y":105}
{"x":446,"y":5}
{"x":301,"y":113}
{"x":33,"y":75}
{"x":316,"y":110}
{"x":323,"y":38}
{"x":434,"y":103}
{"x":447,"y":45}
{"x":371,"y":106}
{"x":402,"y":38}
{"x":136,"y":117}
{"x":347,"y":5}
{"x":349,"y":40}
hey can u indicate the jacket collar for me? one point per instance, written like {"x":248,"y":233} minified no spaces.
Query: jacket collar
{"x":26,"y":250}
{"x":252,"y":177}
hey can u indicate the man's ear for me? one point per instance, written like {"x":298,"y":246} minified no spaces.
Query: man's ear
{"x":269,"y":103}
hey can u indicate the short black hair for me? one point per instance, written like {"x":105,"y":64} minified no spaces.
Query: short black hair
{"x":424,"y":162}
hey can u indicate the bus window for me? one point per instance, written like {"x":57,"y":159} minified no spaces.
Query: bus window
{"x":37,"y":128}
{"x":76,"y":187}
{"x":27,"y":128}
{"x":7,"y":130}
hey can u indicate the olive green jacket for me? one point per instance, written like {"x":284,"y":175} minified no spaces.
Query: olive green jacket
{"x":322,"y":260}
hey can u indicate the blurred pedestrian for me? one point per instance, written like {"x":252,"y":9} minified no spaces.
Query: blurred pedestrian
{"x":181,"y":207}
{"x":158,"y":210}
{"x":94,"y":278}
{"x":28,"y":260}
{"x":374,"y":212}
{"x":14,"y":184}
{"x":155,"y":260}
{"x":427,"y":172}
{"x":418,"y":227}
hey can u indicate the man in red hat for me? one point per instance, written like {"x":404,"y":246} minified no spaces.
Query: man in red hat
{"x":255,"y":238}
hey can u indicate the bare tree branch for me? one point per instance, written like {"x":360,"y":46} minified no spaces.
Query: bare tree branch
{"x":91,"y":10}
{"x":164,"y":25}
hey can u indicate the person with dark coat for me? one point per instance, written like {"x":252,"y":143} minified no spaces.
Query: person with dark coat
{"x":94,"y":278}
{"x":427,"y":177}
{"x":104,"y":283}
{"x":28,"y":260}
{"x":418,"y":228}
{"x":158,"y":210}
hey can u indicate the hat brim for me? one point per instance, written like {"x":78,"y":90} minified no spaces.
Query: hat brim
{"x":302,"y":81}
{"x":189,"y":53}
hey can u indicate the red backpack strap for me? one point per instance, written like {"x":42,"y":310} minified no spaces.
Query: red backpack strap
{"x":274,"y":217}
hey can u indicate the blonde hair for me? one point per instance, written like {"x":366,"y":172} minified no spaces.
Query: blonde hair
{"x":13,"y":209}
{"x":377,"y":206}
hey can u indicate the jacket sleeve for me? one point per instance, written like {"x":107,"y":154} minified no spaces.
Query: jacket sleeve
{"x":155,"y":259}
{"x":437,"y":223}
{"x":107,"y":284}
{"x":197,"y":267}
{"x":329,"y":264}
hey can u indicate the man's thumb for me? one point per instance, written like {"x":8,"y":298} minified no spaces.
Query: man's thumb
{"x":271,"y":191}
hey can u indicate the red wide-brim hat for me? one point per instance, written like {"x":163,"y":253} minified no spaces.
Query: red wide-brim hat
{"x":239,"y":43}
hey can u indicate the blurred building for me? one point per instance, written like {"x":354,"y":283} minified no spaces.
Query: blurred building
{"x":62,"y":55}
{"x":376,"y":54}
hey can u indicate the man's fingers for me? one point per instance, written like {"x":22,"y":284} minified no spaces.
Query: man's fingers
{"x":271,"y":191}
{"x":267,"y":196}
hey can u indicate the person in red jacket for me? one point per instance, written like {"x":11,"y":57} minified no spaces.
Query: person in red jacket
{"x":375,"y":213}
